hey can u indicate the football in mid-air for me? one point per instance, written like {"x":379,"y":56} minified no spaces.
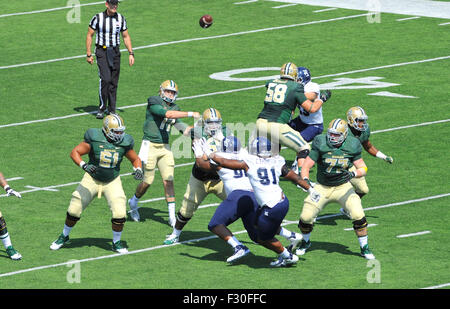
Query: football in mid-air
{"x":206,"y":21}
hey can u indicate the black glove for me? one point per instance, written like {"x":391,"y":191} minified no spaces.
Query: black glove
{"x":89,"y":168}
{"x":349,"y":175}
{"x":325,"y":95}
{"x":138,"y":174}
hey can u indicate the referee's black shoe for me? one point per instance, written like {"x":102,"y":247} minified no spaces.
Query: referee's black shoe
{"x":99,"y":115}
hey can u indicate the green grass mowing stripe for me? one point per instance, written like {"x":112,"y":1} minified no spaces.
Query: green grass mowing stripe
{"x":209,"y":237}
{"x":229,"y":91}
{"x":49,"y":188}
{"x":191,"y":40}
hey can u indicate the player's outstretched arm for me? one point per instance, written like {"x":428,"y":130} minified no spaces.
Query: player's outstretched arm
{"x":376,"y":153}
{"x":289,"y":174}
{"x":227,"y":163}
{"x":137,"y":164}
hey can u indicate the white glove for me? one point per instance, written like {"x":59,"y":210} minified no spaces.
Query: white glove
{"x":206,"y":149}
{"x":197,"y":148}
{"x":10,"y":192}
{"x":315,"y":196}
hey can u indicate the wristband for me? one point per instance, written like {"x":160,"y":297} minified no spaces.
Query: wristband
{"x":89,"y":56}
{"x":381,"y":155}
{"x":131,"y":53}
{"x":82,"y":163}
{"x":190,"y":114}
{"x":6,"y":187}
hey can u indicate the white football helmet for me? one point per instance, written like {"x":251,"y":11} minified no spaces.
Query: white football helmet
{"x":114,"y":127}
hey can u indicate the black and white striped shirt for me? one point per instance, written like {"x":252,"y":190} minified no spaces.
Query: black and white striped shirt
{"x":108,"y":28}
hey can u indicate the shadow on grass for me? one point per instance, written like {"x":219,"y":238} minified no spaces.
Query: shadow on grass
{"x":153,"y":214}
{"x":92,"y":109}
{"x":102,"y":243}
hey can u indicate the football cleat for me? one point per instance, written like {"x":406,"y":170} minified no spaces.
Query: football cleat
{"x":345,"y":213}
{"x":99,"y":115}
{"x":337,"y":132}
{"x":134,"y":213}
{"x":13,"y":254}
{"x":61,"y":241}
{"x":168,"y":85}
{"x":281,"y":261}
{"x":119,"y":248}
{"x":357,"y":118}
{"x":303,"y":247}
{"x":113,"y":127}
{"x":303,"y":75}
{"x":289,"y":71}
{"x":295,"y":239}
{"x":171,"y":239}
{"x":367,"y":253}
{"x":239,"y":252}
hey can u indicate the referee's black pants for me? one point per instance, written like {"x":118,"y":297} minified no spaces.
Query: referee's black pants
{"x":108,"y":62}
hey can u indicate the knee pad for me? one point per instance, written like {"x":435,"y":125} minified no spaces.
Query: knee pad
{"x":3,"y":230}
{"x":119,"y":221}
{"x":360,"y":224}
{"x":306,"y":228}
{"x":302,"y":154}
{"x":181,"y":218}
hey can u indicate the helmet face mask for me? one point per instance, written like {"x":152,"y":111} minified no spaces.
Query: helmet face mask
{"x":261,"y":147}
{"x":168,"y":86}
{"x":357,"y":118}
{"x":303,"y":75}
{"x":113,"y":128}
{"x":289,"y":71}
{"x":337,"y":132}
{"x":212,"y":121}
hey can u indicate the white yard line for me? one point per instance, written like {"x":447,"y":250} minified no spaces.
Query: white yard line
{"x":231,"y":91}
{"x":408,"y":18}
{"x":413,"y":234}
{"x":51,"y":10}
{"x":245,"y":2}
{"x":437,"y":286}
{"x":194,"y":39}
{"x":203,"y":238}
{"x":284,"y":6}
{"x":324,"y":10}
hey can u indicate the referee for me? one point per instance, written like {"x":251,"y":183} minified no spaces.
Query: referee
{"x":108,"y":25}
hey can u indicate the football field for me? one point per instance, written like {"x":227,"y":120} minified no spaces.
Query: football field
{"x":395,"y":66}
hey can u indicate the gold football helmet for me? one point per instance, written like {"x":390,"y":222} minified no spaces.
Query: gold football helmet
{"x":212,"y":121}
{"x":171,"y":86}
{"x":357,"y":118}
{"x":289,"y":70}
{"x":114,"y":127}
{"x":337,"y":131}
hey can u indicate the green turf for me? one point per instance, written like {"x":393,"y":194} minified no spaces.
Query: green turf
{"x":39,"y":152}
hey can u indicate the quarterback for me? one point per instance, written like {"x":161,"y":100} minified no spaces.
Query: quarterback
{"x":335,"y":152}
{"x":162,"y":113}
{"x":106,"y":148}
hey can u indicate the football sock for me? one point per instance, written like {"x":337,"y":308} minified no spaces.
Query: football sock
{"x":67,"y":230}
{"x":285,"y":233}
{"x":306,"y":237}
{"x":176,"y":232}
{"x":363,"y":240}
{"x":116,"y":236}
{"x":171,"y":207}
{"x":134,"y":199}
{"x":233,"y":242}
{"x":6,"y":240}
{"x":285,"y":254}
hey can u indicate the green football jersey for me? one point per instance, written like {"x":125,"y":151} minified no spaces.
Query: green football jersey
{"x":156,"y":126}
{"x":332,"y":161}
{"x":282,"y":97}
{"x":362,"y":136}
{"x":105,"y":155}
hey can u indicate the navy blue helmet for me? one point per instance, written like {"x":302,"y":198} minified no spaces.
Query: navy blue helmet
{"x":261,"y":147}
{"x":303,"y":75}
{"x":231,"y":144}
